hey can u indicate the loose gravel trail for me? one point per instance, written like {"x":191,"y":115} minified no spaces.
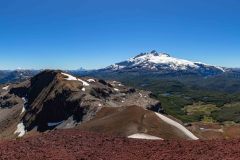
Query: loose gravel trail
{"x":73,"y":144}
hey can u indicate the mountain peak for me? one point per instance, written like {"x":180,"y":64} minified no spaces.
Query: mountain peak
{"x":152,"y":53}
{"x":54,"y":97}
{"x":164,"y":63}
{"x":164,"y":54}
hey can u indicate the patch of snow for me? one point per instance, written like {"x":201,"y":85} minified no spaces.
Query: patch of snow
{"x":123,"y":101}
{"x":213,"y":130}
{"x":100,"y":105}
{"x":83,"y":82}
{"x":115,"y":67}
{"x":91,"y":80}
{"x":69,"y":77}
{"x":24,"y":100}
{"x":83,"y":89}
{"x":220,"y":68}
{"x":140,"y":94}
{"x":144,"y":136}
{"x":24,"y":103}
{"x":72,"y":78}
{"x":51,"y":124}
{"x":153,"y":68}
{"x":23,"y":110}
{"x":5,"y":88}
{"x":120,"y":85}
{"x":177,"y":125}
{"x":115,"y":89}
{"x":20,"y":130}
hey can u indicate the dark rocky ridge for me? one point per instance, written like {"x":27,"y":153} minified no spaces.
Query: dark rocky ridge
{"x":52,"y":99}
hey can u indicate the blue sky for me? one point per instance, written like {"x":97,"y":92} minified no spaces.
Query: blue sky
{"x":69,"y":34}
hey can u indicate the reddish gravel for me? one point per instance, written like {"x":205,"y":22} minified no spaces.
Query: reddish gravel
{"x":74,"y":144}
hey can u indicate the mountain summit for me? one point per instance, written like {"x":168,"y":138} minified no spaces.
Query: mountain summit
{"x":153,"y":53}
{"x":163,"y":63}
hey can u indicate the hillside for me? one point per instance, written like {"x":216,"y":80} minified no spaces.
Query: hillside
{"x":180,"y":83}
{"x":57,"y":100}
{"x":192,"y":92}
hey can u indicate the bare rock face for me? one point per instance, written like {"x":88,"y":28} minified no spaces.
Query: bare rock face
{"x":53,"y":99}
{"x":8,"y":101}
{"x":20,"y":89}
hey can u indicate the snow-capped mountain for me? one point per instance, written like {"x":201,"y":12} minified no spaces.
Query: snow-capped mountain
{"x":164,"y":63}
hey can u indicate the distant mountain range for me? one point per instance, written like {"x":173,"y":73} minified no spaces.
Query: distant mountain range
{"x":8,"y":76}
{"x":144,"y":63}
{"x":61,"y":99}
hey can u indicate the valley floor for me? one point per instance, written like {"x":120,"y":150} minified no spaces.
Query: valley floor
{"x":73,"y":144}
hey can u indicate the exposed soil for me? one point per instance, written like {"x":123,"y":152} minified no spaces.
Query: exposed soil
{"x":74,"y":144}
{"x":126,"y":121}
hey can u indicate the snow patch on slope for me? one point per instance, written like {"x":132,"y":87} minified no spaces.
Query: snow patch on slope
{"x":218,"y":67}
{"x":83,"y":82}
{"x":91,"y":80}
{"x":72,"y":78}
{"x":177,"y":125}
{"x":222,"y":69}
{"x":69,"y":77}
{"x":23,"y":110}
{"x":5,"y":88}
{"x":144,"y":136}
{"x":116,"y":67}
{"x":20,"y":130}
{"x":24,"y":103}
